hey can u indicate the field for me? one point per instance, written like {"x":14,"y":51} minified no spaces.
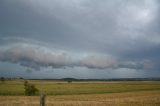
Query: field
{"x":91,"y":93}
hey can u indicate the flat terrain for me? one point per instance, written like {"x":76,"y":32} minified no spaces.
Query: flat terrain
{"x":95,"y":93}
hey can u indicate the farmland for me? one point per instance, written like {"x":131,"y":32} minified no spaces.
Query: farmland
{"x":86,"y":93}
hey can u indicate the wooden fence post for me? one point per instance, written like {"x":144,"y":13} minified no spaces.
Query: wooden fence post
{"x":42,"y":99}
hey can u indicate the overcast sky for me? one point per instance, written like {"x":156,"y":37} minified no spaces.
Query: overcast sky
{"x":80,"y":38}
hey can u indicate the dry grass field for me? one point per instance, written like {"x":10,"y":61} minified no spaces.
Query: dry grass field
{"x":85,"y":94}
{"x":143,"y":98}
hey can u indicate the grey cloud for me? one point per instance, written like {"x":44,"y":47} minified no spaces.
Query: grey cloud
{"x":113,"y":34}
{"x":101,"y":62}
{"x":132,"y":65}
{"x":35,"y":56}
{"x":98,"y":24}
{"x":28,"y":71}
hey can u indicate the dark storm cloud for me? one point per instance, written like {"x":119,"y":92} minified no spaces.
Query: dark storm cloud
{"x":19,"y":19}
{"x":112,"y":34}
{"x":94,"y":25}
{"x":128,"y":24}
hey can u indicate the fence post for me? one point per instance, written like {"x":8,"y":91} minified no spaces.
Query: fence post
{"x":42,"y":99}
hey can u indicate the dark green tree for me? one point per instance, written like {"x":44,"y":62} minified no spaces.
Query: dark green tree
{"x":30,"y":89}
{"x":2,"y":79}
{"x":69,"y":81}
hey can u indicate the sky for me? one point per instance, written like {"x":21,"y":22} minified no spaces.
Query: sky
{"x":80,"y":38}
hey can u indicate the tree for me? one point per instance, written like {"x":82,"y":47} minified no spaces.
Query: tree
{"x":30,"y":89}
{"x":69,"y":81}
{"x":2,"y":79}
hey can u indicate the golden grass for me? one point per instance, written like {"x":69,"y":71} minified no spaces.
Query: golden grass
{"x":78,"y":88}
{"x":95,"y":93}
{"x":138,"y":98}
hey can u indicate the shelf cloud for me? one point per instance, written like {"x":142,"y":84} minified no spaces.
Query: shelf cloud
{"x":34,"y":56}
